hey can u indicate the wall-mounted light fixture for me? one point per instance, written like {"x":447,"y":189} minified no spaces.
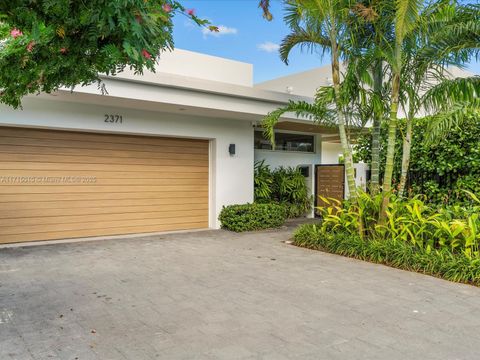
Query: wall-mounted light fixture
{"x":231,"y":149}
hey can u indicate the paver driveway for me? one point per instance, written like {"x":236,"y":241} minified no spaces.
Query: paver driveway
{"x":218,"y":295}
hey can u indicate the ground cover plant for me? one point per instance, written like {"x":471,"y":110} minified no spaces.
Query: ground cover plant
{"x":416,"y":236}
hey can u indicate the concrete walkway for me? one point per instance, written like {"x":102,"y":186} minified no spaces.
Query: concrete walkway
{"x":218,"y":295}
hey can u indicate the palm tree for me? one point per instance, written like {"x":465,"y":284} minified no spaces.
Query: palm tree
{"x":373,"y":28}
{"x":367,"y":27}
{"x":424,"y":68}
{"x":406,"y":18}
{"x":319,"y":24}
{"x":427,"y":39}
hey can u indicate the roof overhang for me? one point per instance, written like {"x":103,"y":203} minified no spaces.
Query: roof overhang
{"x":177,"y":94}
{"x":328,"y":133}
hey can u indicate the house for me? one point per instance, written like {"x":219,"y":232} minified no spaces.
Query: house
{"x":161,"y":151}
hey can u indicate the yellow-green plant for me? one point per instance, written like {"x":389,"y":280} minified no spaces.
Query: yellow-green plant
{"x":411,"y":221}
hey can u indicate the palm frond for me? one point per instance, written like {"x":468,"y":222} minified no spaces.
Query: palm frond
{"x":451,"y":91}
{"x":318,"y":113}
{"x":306,"y":39}
{"x":443,"y":122}
{"x":265,"y":6}
{"x":407,"y":12}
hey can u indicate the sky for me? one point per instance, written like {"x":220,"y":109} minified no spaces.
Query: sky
{"x":246,"y":36}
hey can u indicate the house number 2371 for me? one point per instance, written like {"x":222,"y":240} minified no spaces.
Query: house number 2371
{"x":113,"y":119}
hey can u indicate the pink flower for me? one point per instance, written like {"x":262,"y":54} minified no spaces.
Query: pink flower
{"x":63,"y":50}
{"x":30,"y":46}
{"x":16,"y":33}
{"x":146,"y":54}
{"x":167,"y":8}
{"x":191,"y":12}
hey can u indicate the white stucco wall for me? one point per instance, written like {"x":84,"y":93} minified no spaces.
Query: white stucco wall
{"x":202,"y":66}
{"x":330,"y":153}
{"x":231,"y":177}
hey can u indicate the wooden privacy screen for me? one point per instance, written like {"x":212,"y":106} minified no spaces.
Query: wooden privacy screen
{"x":330,"y":182}
{"x":58,"y":184}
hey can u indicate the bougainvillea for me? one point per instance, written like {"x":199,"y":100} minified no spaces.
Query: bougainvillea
{"x":48,"y":44}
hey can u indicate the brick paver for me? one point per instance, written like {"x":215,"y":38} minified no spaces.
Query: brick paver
{"x":218,"y":295}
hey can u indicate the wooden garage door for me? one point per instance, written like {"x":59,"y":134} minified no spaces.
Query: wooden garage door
{"x":57,"y":184}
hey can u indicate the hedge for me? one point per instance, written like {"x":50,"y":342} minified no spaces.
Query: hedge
{"x":248,"y":217}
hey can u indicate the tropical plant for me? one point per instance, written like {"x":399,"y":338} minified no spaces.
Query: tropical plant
{"x":319,"y":24}
{"x":459,"y":267}
{"x":285,"y":186}
{"x":406,"y":15}
{"x":428,"y":37}
{"x":413,"y":221}
{"x":440,"y":170}
{"x":263,"y":182}
{"x":426,"y":82}
{"x":372,"y":29}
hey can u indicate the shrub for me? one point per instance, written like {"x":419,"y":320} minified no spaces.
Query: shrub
{"x":250,"y":217}
{"x":416,"y":236}
{"x":442,"y":263}
{"x":286,"y":186}
{"x":441,"y":170}
{"x":456,"y":228}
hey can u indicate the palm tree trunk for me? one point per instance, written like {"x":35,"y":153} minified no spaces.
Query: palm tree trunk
{"x":407,"y":146}
{"x":346,"y":148}
{"x":377,"y":121}
{"x":392,"y":137}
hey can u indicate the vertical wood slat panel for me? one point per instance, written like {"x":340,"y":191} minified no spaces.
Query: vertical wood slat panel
{"x":329,"y":182}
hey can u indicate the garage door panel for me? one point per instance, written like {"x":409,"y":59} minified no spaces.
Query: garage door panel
{"x":9,"y":198}
{"x":100,"y":232}
{"x":119,"y":154}
{"x":180,"y":148}
{"x":102,"y":218}
{"x":113,"y":174}
{"x":99,"y":137}
{"x":99,"y":183}
{"x":8,"y":165}
{"x":101,"y":160}
{"x":56,"y":184}
{"x":95,"y":204}
{"x":46,"y":189}
{"x":86,"y":209}
{"x":112,"y":224}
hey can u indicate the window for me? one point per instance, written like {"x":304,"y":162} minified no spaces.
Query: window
{"x":286,"y":142}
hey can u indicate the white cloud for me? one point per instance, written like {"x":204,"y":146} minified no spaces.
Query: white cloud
{"x":222,"y":30}
{"x":268,"y":46}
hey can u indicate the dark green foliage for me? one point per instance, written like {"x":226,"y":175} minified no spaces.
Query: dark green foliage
{"x":285,"y":186}
{"x":400,"y":254}
{"x":440,"y":170}
{"x":64,"y":43}
{"x":250,"y":217}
